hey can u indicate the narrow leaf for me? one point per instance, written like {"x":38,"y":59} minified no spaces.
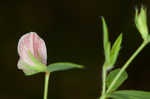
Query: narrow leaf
{"x":111,"y":77}
{"x":115,"y":49}
{"x":106,"y":42}
{"x":60,"y":66}
{"x":130,"y":94}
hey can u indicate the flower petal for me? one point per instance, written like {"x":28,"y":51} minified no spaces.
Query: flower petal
{"x":25,"y":44}
{"x":39,"y":48}
{"x":22,"y":67}
{"x":33,"y":43}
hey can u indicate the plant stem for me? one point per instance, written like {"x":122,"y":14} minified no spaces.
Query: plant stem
{"x":47,"y":75}
{"x":104,"y":73}
{"x":104,"y":80}
{"x":103,"y":97}
{"x":126,"y":65}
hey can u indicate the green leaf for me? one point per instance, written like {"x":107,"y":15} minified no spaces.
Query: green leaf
{"x":110,"y":54}
{"x":130,"y":94}
{"x":106,"y":42}
{"x":60,"y":66}
{"x":111,"y":77}
{"x":115,"y":49}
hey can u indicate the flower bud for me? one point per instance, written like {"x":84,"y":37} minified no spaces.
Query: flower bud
{"x":33,"y":54}
{"x":141,"y":22}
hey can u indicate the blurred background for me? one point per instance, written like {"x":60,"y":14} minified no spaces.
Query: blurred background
{"x":72,"y":31}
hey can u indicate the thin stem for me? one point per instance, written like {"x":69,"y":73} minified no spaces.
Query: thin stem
{"x":47,"y":75}
{"x":104,"y":73}
{"x":126,"y":65}
{"x":103,"y":97}
{"x":103,"y":80}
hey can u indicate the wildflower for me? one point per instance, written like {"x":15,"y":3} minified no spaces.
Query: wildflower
{"x":33,"y":54}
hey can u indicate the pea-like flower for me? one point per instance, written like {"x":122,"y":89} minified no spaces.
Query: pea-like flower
{"x":33,"y":54}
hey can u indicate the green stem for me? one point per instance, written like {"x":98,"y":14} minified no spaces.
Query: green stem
{"x":104,"y":80}
{"x":47,"y":75}
{"x":104,"y":73}
{"x":103,"y":97}
{"x":126,"y":65}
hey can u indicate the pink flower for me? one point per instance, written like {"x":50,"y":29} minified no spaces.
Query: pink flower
{"x":31,"y":43}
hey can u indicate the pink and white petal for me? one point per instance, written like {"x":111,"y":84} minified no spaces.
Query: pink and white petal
{"x":25,"y":41}
{"x":25,"y":57}
{"x":43,"y":51}
{"x":24,"y":46}
{"x":36,"y":45}
{"x":40,"y":51}
{"x":20,"y":64}
{"x":25,"y":70}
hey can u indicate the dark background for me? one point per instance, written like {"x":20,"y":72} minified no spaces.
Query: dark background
{"x":72,"y":31}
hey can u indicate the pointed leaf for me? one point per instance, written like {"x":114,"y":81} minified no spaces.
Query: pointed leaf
{"x":115,"y":49}
{"x":130,"y":94}
{"x":106,"y":42}
{"x":111,"y":77}
{"x":60,"y":66}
